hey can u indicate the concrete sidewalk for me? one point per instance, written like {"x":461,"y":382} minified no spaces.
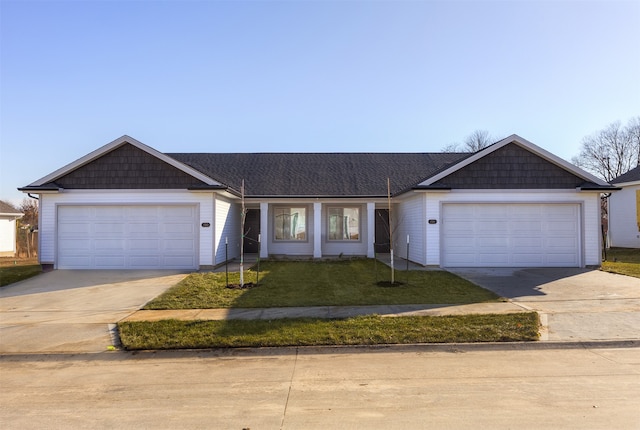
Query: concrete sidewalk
{"x":325,"y":312}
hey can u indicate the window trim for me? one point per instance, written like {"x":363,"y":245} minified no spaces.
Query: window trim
{"x":359,"y":209}
{"x":306,"y":223}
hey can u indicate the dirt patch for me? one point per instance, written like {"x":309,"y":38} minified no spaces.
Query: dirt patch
{"x":389,"y":284}
{"x":246,"y":286}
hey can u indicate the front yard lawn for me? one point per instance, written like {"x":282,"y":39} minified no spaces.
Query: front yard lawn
{"x":366,"y":330}
{"x":14,"y":270}
{"x":625,"y":261}
{"x":327,"y":283}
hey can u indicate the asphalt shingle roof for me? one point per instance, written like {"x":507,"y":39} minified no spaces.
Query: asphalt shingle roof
{"x":319,"y":174}
{"x":631,"y":176}
{"x":7,"y":208}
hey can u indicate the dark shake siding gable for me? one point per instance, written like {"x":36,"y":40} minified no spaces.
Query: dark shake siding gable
{"x":127,"y":167}
{"x":511,"y":167}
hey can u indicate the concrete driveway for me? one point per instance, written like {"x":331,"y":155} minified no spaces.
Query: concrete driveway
{"x":74,"y":310}
{"x":574,"y":304}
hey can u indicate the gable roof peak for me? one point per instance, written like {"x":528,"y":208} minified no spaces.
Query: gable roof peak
{"x":524,"y":143}
{"x":124,"y":139}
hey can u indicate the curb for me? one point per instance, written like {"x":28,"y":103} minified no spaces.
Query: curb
{"x":325,"y":349}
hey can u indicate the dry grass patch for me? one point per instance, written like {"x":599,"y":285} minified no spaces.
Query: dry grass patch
{"x":624,"y":261}
{"x":364,"y":330}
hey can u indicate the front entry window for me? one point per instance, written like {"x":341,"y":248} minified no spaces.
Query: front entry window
{"x":290,"y":223}
{"x":344,"y":223}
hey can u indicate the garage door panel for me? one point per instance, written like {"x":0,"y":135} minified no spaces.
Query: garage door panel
{"x":511,"y":235}
{"x":144,"y":245}
{"x":109,"y":245}
{"x":178,"y":245}
{"x":78,"y":229}
{"x":524,"y":228}
{"x":108,"y":212}
{"x":127,"y":237}
{"x":498,"y":243}
{"x":489,"y":225}
{"x":527,"y":242}
{"x":74,"y":261}
{"x":109,"y":227}
{"x":528,"y":259}
{"x":145,"y":261}
{"x":496,"y":259}
{"x":178,"y":228}
{"x":74,"y":245}
{"x":109,"y":261}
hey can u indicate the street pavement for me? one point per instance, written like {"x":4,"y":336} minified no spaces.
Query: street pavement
{"x":452,"y":387}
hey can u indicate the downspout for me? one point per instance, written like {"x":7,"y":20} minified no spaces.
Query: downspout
{"x":605,"y":235}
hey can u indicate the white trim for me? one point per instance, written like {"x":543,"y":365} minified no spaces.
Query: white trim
{"x":115,"y":144}
{"x":625,"y":184}
{"x":317,"y":230}
{"x":514,"y":138}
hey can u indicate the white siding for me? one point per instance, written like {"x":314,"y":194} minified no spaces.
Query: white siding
{"x":227,"y":227}
{"x":623,"y":226}
{"x":49,"y":202}
{"x":8,"y":235}
{"x":410,"y":219}
{"x":432,"y":211}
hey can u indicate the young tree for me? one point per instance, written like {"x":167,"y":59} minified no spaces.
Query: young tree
{"x":612,"y":151}
{"x":474,"y":142}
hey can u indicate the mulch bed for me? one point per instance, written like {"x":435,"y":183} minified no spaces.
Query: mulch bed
{"x":246,"y":286}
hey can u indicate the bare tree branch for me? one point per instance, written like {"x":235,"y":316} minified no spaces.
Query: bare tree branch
{"x":474,"y":142}
{"x":612,"y":151}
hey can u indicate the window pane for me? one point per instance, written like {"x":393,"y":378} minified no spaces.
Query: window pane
{"x":290,"y":223}
{"x":344,"y":223}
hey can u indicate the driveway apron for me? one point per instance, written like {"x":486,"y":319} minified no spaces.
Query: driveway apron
{"x":74,"y":310}
{"x":574,"y":304}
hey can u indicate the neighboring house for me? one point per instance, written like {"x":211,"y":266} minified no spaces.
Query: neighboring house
{"x":127,"y":205}
{"x":8,"y":217}
{"x":624,"y":211}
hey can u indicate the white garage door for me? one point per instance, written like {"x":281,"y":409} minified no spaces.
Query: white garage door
{"x":511,"y":235}
{"x":127,"y":237}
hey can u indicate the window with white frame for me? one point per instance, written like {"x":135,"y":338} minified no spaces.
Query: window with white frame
{"x":344,"y":223}
{"x":290,"y":223}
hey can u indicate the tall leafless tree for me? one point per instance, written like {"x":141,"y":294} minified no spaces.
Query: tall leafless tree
{"x":612,"y":151}
{"x":474,"y":142}
{"x":29,"y":208}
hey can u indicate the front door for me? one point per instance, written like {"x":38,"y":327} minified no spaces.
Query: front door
{"x":251,"y":231}
{"x":382,"y":231}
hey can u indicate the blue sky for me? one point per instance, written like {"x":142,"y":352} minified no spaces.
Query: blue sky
{"x":312,"y":76}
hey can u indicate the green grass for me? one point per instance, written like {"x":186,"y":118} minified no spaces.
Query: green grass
{"x":625,"y":261}
{"x":366,"y":330}
{"x":14,"y":270}
{"x":328,"y":283}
